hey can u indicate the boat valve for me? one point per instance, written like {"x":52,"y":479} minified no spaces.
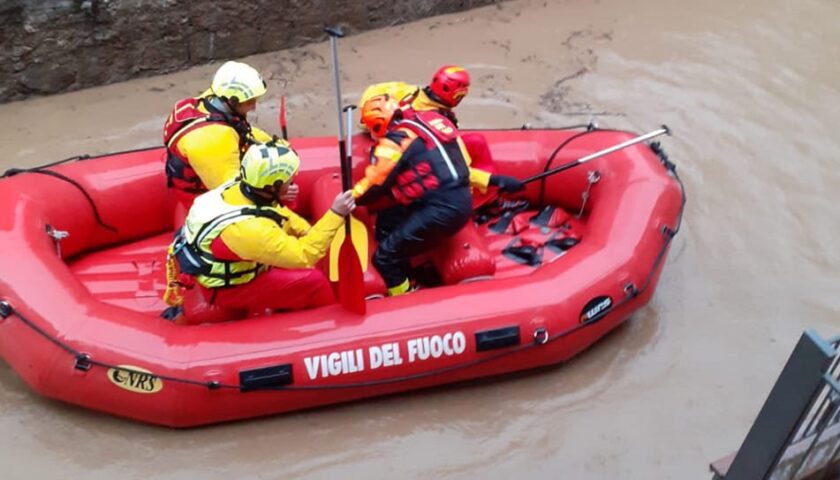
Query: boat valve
{"x":5,"y":309}
{"x":541,"y":336}
{"x":82,"y":362}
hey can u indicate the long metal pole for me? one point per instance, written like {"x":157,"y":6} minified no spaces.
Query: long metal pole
{"x":335,"y":33}
{"x":592,"y":156}
{"x":348,"y":159}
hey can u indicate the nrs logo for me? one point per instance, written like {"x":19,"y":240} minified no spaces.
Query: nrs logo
{"x":135,"y":379}
{"x":595,"y":309}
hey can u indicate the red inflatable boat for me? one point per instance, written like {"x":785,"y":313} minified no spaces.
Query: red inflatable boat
{"x":531,"y":282}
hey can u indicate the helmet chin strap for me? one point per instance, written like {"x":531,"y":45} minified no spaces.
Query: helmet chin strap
{"x":218,"y":105}
{"x":222,"y":106}
{"x":429,"y":93}
{"x":255,"y":195}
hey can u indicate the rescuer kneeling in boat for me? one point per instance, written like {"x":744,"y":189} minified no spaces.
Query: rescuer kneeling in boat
{"x":245,"y":250}
{"x":205,"y":137}
{"x":420,"y":162}
{"x":449,"y":85}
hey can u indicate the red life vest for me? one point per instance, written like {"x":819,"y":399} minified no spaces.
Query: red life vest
{"x":432,"y":162}
{"x":184,"y":118}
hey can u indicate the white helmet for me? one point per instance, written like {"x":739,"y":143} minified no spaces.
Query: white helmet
{"x":237,"y":82}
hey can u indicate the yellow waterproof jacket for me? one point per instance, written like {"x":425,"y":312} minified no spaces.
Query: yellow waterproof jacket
{"x":295,"y":244}
{"x":422,"y":103}
{"x":213,"y":151}
{"x":228,"y":240}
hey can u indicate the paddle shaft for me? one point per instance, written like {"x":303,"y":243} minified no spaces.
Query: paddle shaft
{"x":346,"y":181}
{"x":592,"y":156}
{"x":283,"y":117}
{"x":347,"y":162}
{"x":336,"y":33}
{"x":350,"y":276}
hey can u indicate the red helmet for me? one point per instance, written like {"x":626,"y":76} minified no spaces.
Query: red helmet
{"x":450,"y":84}
{"x":378,"y":112}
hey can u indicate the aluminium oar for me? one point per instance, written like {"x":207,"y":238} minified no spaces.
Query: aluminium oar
{"x":358,"y":230}
{"x":351,"y":288}
{"x":600,"y":153}
{"x":283,"y":117}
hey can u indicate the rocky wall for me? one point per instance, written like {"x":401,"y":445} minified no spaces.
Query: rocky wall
{"x":51,"y":46}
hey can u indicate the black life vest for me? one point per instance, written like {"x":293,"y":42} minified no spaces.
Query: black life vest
{"x":433,"y":161}
{"x":184,"y":118}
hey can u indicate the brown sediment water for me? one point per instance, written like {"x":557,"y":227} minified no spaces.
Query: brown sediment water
{"x":752,"y":92}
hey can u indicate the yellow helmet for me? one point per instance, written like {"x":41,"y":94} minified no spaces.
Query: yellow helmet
{"x":237,"y":82}
{"x":399,"y":91}
{"x":266,"y":164}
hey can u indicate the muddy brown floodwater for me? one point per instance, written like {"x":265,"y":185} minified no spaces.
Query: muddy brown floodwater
{"x":752,"y":92}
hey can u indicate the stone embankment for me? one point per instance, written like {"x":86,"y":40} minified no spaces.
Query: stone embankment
{"x":52,"y":46}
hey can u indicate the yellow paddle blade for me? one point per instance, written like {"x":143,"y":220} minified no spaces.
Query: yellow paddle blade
{"x":358,"y":234}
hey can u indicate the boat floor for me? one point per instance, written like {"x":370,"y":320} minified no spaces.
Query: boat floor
{"x":133,"y":275}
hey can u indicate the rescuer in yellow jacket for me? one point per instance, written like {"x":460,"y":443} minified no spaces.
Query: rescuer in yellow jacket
{"x":206,"y":136}
{"x":245,"y":250}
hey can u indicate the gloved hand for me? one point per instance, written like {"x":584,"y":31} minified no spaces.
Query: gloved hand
{"x":344,"y":203}
{"x":289,"y":197}
{"x":507,"y":184}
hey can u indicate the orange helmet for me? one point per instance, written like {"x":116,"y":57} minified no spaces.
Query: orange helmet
{"x":378,"y":112}
{"x":450,"y":84}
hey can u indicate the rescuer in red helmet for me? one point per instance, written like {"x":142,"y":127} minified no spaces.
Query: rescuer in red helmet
{"x":420,"y":163}
{"x":448,"y":87}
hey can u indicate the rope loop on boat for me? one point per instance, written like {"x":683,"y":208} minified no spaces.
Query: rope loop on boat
{"x":14,"y":171}
{"x":83,"y":361}
{"x":78,"y":186}
{"x":42,"y":169}
{"x":541,"y":336}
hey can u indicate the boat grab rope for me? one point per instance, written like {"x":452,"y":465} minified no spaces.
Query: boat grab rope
{"x":541,"y":336}
{"x":14,"y":171}
{"x":42,"y":170}
{"x":50,"y":173}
